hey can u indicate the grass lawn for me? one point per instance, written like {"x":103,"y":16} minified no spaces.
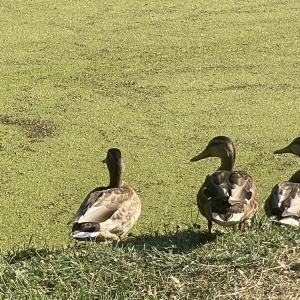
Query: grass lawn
{"x":158,"y":79}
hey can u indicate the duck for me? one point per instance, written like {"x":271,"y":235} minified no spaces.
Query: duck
{"x":227,"y":197}
{"x":282,"y":207}
{"x":107,"y":212}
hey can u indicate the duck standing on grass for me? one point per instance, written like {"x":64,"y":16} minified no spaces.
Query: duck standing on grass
{"x":227,"y":197}
{"x":283,"y":204}
{"x":107,"y":212}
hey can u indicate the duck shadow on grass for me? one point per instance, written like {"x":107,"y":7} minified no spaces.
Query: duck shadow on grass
{"x":179,"y":241}
{"x":295,"y":266}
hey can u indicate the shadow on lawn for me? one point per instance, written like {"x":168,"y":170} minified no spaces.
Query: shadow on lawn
{"x":182,"y":240}
{"x":178,"y":241}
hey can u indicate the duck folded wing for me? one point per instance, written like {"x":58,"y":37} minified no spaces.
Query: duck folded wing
{"x":285,"y":198}
{"x":101,"y":205}
{"x":232,"y":185}
{"x":215,"y":185}
{"x":241,"y":191}
{"x":294,"y":210}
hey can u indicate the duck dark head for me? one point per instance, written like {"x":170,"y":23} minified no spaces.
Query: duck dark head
{"x":113,"y":154}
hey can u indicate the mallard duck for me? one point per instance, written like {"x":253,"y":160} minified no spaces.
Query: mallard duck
{"x":283,"y":204}
{"x":107,"y":212}
{"x":226,"y":197}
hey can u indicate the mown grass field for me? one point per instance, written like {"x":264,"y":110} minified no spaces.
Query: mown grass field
{"x":158,"y":80}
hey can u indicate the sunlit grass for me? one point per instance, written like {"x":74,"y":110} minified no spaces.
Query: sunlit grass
{"x":158,"y":80}
{"x":183,"y":264}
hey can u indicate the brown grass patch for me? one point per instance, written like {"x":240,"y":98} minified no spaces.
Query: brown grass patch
{"x":35,"y":128}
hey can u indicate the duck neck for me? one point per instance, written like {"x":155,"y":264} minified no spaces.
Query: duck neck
{"x":295,"y":177}
{"x":228,"y":159}
{"x":227,"y":164}
{"x":115,"y":176}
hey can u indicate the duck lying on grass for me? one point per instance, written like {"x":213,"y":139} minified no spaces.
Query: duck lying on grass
{"x":283,"y":204}
{"x":107,"y":212}
{"x":227,"y":197}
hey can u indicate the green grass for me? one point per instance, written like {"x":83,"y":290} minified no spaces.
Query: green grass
{"x":186,"y":264}
{"x":158,"y":80}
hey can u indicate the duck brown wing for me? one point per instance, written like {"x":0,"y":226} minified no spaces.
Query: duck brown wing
{"x":235,"y":186}
{"x":215,"y":185}
{"x":100,"y":205}
{"x":284,"y":200}
{"x":240,"y":184}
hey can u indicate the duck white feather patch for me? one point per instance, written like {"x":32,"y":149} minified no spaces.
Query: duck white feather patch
{"x":85,"y":235}
{"x":285,"y":221}
{"x":289,"y":222}
{"x":236,"y":218}
{"x":273,"y":218}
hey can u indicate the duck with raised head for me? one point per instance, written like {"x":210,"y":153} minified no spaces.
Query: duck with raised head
{"x":283,"y":204}
{"x":107,"y":212}
{"x":227,"y":197}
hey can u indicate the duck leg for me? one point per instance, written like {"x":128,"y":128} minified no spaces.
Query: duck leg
{"x":209,"y":225}
{"x":241,"y":227}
